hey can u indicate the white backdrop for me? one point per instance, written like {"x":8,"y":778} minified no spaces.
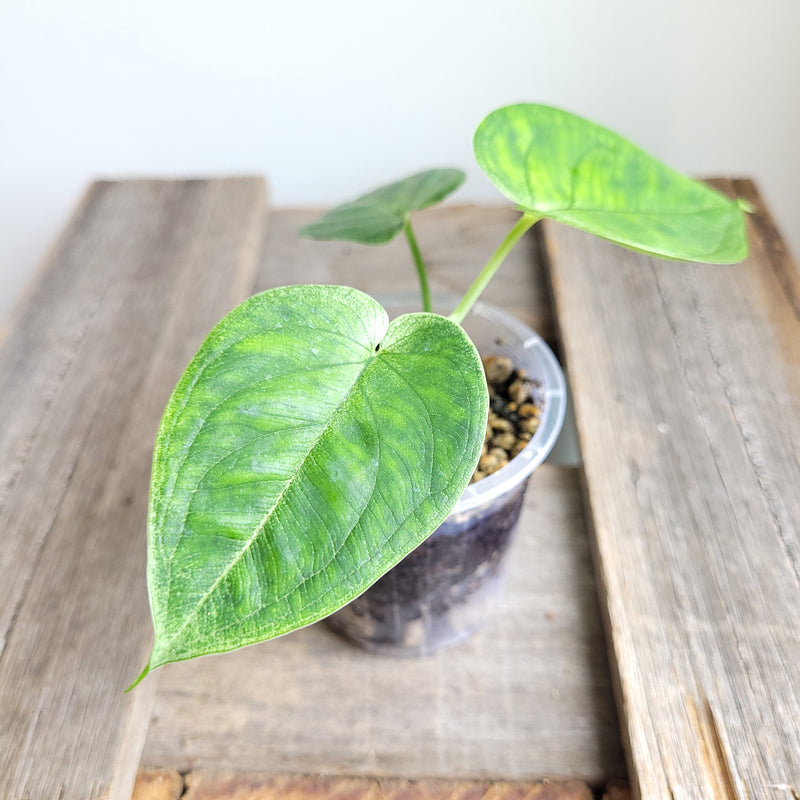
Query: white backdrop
{"x":330,"y":98}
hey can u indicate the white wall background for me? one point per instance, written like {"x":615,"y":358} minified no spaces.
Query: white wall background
{"x":330,"y":97}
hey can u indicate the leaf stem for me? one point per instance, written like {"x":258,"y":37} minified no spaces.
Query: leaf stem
{"x":420,"y":265}
{"x":523,"y":224}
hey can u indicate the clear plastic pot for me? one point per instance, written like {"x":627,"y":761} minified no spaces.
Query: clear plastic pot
{"x":442,"y":592}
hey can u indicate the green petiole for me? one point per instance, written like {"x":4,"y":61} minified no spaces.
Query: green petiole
{"x":523,"y":224}
{"x":420,"y":265}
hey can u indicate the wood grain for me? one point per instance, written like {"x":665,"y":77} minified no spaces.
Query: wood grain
{"x":685,"y":381}
{"x":162,"y":784}
{"x":142,"y":271}
{"x":203,"y":785}
{"x":528,"y":697}
{"x":158,"y":784}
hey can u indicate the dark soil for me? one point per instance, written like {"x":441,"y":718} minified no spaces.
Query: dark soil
{"x":438,"y":594}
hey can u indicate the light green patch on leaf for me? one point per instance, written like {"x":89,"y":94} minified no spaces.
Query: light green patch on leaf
{"x":377,"y":217}
{"x":309,"y":446}
{"x":558,"y":165}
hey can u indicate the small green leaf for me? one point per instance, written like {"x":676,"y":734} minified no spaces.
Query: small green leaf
{"x":308,"y":447}
{"x":377,"y":217}
{"x":561,"y":166}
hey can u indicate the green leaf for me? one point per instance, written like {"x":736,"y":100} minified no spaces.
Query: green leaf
{"x":558,"y":165}
{"x":377,"y":217}
{"x":308,"y":447}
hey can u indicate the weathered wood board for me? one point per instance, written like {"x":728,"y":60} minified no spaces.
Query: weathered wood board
{"x":686,"y":381}
{"x":140,"y":274}
{"x":205,"y":785}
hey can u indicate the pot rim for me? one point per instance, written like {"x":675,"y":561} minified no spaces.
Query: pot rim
{"x":553,"y":393}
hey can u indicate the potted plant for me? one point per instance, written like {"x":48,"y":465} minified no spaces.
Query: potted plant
{"x":311,"y":444}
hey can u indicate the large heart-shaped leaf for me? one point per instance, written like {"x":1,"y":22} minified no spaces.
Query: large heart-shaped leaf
{"x":377,"y":217}
{"x":308,"y":447}
{"x":558,"y":165}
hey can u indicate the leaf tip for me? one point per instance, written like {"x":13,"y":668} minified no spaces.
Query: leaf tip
{"x":745,"y":205}
{"x":309,"y":231}
{"x":144,"y":673}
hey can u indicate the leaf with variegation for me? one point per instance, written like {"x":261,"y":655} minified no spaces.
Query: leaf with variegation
{"x":558,"y":165}
{"x":377,"y":217}
{"x":309,"y":446}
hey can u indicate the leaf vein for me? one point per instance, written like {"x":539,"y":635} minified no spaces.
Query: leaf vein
{"x":259,"y":528}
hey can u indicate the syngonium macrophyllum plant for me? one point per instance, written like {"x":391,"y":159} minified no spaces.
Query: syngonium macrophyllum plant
{"x":311,"y":444}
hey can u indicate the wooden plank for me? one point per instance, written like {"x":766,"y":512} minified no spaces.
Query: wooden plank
{"x":171,"y":785}
{"x":456,"y":241}
{"x":203,"y":785}
{"x":528,"y":697}
{"x":141,"y":273}
{"x":685,"y":381}
{"x":160,"y":784}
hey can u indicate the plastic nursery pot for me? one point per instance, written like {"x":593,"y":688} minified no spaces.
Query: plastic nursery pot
{"x":442,"y":592}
